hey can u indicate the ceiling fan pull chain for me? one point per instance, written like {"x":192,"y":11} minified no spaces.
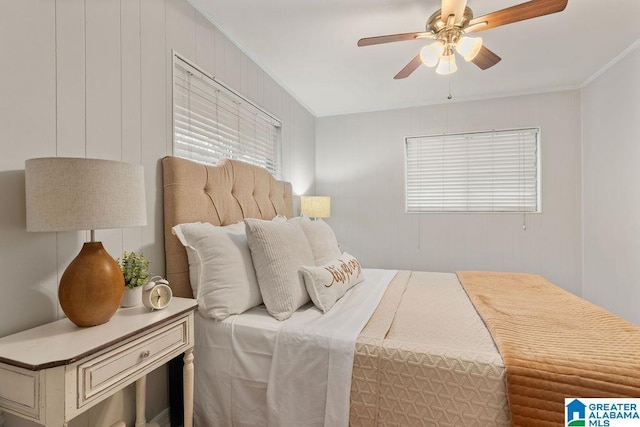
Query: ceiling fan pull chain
{"x":449,"y":96}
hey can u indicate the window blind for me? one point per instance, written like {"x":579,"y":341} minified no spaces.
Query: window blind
{"x":212,"y":122}
{"x":495,"y":171}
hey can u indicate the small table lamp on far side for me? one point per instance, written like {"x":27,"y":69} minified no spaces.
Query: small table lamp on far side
{"x":72,"y":194}
{"x":315,"y":206}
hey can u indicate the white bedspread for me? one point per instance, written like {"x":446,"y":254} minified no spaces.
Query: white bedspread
{"x":310,"y":376}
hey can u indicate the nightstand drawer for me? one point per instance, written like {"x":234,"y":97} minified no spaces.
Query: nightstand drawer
{"x":20,"y":390}
{"x":109,"y":370}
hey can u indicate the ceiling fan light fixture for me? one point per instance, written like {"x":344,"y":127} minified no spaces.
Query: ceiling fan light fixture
{"x":469,"y":47}
{"x":449,"y":26}
{"x":430,"y":54}
{"x":447,"y":65}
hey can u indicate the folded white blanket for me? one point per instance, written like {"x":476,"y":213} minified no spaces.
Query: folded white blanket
{"x":310,"y":377}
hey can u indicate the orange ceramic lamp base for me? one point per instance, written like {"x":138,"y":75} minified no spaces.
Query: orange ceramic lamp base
{"x":91,"y":287}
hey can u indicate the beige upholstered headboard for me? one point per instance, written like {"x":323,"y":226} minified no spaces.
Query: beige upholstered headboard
{"x":223,"y":194}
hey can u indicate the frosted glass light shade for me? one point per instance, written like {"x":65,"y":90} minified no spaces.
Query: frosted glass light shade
{"x":65,"y":194}
{"x":430,"y":54}
{"x":447,"y":65}
{"x":315,"y":206}
{"x":469,"y":47}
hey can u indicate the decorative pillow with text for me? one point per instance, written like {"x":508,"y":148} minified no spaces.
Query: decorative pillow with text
{"x":326,"y":284}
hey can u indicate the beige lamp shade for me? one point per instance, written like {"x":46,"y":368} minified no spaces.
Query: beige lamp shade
{"x":315,"y":206}
{"x":65,"y":194}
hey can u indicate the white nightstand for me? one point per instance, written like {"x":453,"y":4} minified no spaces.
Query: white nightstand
{"x":52,"y":373}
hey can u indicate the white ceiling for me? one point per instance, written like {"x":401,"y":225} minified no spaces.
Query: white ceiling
{"x":309,"y":47}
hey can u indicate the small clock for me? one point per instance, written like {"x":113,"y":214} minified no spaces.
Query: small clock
{"x":156,"y":294}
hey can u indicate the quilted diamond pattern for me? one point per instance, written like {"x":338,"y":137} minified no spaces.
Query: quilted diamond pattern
{"x":426,"y":375}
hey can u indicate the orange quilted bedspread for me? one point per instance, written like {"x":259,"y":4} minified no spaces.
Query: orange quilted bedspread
{"x":554,"y":345}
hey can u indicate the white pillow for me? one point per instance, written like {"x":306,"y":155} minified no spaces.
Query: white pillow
{"x":221,"y":270}
{"x":328,"y":283}
{"x":322,"y":240}
{"x":278,"y":250}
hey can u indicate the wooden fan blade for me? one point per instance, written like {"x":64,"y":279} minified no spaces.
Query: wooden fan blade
{"x":409,"y":68}
{"x":368,"y":41}
{"x":520,"y":12}
{"x":486,"y":58}
{"x":453,"y":7}
{"x":478,"y":26}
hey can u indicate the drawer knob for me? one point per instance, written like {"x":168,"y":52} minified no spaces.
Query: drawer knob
{"x":145,"y":354}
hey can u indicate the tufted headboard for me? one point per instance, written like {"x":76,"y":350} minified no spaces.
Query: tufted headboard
{"x":223,"y":194}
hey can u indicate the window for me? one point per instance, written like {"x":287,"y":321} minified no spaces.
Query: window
{"x":495,"y":171}
{"x":211,"y":122}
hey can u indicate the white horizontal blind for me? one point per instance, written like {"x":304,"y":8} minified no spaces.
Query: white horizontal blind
{"x":212,"y":122}
{"x":495,"y":171}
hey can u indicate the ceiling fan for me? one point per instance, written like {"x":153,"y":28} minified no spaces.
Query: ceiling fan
{"x":449,"y":27}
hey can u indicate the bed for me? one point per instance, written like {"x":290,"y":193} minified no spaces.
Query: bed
{"x":398,"y":348}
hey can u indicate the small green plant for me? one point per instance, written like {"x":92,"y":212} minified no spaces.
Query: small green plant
{"x":135,"y":268}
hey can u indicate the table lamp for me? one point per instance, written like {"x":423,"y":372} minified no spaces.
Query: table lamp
{"x":315,"y":206}
{"x":65,"y":194}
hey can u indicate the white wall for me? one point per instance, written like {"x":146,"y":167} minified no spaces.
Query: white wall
{"x":93,"y":78}
{"x":611,"y":188}
{"x":360,"y":164}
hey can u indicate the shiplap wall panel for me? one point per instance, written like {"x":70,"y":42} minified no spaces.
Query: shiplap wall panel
{"x":131,"y":75}
{"x":232,"y":66}
{"x":272,"y":102}
{"x":131,"y":101}
{"x":205,"y":42}
{"x":103,"y":79}
{"x":260,"y":98}
{"x":243,"y":74}
{"x":70,"y":106}
{"x":285,"y":131}
{"x":93,"y":77}
{"x":360,"y":164}
{"x":104,"y":94}
{"x":30,"y":60}
{"x":252,"y":80}
{"x":29,"y":278}
{"x":220,"y":41}
{"x":181,"y":27}
{"x":155,"y":101}
{"x":70,"y":75}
